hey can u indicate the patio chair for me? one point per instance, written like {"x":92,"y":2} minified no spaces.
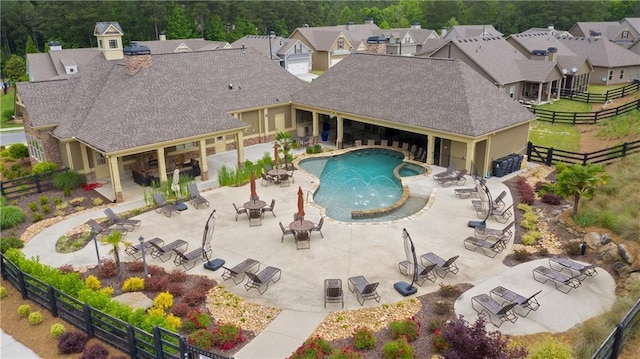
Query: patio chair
{"x":491,"y":308}
{"x":448,"y":172}
{"x":266,"y":179}
{"x":188,"y":260}
{"x":291,"y":174}
{"x":237,"y":272}
{"x":195,"y":197}
{"x":284,"y":180}
{"x":424,"y":273}
{"x":121,"y":223}
{"x":240,"y":211}
{"x":255,"y":217}
{"x":165,"y":251}
{"x":164,"y":207}
{"x":101,"y":230}
{"x":318,"y":227}
{"x":364,"y":290}
{"x":489,"y":248}
{"x":303,"y":240}
{"x":442,"y":266}
{"x":503,"y":234}
{"x":527,"y":304}
{"x":498,"y":202}
{"x":584,"y":271}
{"x":333,"y":292}
{"x":136,"y":251}
{"x":561,"y":281}
{"x":458,"y":179}
{"x":285,"y":231}
{"x":270,"y":208}
{"x":395,"y":144}
{"x":358,"y":143}
{"x":262,"y":279}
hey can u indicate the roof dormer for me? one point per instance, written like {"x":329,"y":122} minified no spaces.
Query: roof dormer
{"x":109,"y":36}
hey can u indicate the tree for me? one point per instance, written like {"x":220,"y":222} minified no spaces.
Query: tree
{"x":31,"y":47}
{"x":179,"y":26}
{"x":115,"y":240}
{"x":285,"y":143}
{"x":346,"y":15}
{"x":15,"y":67}
{"x":579,"y":181}
{"x":214,"y":29}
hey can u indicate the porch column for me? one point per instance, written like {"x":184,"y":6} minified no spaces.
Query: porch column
{"x":162,"y":165}
{"x":67,"y":148}
{"x":431,"y":145}
{"x":549,"y":91}
{"x":539,"y":92}
{"x":85,"y":159}
{"x":314,"y":117}
{"x":469,"y":155}
{"x":265,"y":124}
{"x":204,"y":168}
{"x":239,"y":148}
{"x":115,"y":179}
{"x":487,"y":160}
{"x":339,"y":132}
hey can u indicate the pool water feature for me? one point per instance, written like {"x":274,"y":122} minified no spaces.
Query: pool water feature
{"x":360,"y":182}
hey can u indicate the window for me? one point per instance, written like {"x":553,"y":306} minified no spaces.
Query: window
{"x":621,"y":74}
{"x":100,"y":160}
{"x":341,"y":44}
{"x":113,"y":44}
{"x":512,"y":90}
{"x":186,"y":146}
{"x":610,"y":74}
{"x":100,"y":43}
{"x":625,"y":34}
{"x":35,"y":148}
{"x":298,"y":48}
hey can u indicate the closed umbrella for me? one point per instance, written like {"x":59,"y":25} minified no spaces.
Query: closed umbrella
{"x":254,"y":195}
{"x":276,"y":160}
{"x":300,"y":203}
{"x":409,"y":251}
{"x":176,"y":182}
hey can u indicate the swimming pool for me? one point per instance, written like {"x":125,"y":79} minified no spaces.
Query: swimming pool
{"x":360,"y":181}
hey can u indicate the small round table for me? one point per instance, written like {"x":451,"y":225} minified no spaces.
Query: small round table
{"x":254,"y":205}
{"x":277,"y":172}
{"x":303,"y":226}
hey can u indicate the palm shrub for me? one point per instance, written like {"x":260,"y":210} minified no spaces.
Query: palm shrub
{"x":11,"y":216}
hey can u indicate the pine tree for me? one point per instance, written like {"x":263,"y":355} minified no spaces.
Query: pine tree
{"x":179,"y":25}
{"x":30,"y":47}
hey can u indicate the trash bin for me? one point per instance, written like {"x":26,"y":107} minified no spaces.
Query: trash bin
{"x":509,"y":168}
{"x":325,"y":135}
{"x":498,"y":170}
{"x":583,"y":248}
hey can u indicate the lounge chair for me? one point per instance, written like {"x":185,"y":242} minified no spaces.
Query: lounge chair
{"x":101,"y":230}
{"x":237,"y":272}
{"x":566,"y":263}
{"x":561,"y":281}
{"x":489,"y":248}
{"x":333,"y":292}
{"x":364,"y":290}
{"x":458,"y":179}
{"x":121,"y":223}
{"x":526,"y":304}
{"x":498,"y":202}
{"x":424,"y":273}
{"x":262,"y":279}
{"x":164,"y":207}
{"x":240,"y":211}
{"x":502,"y":216}
{"x":358,"y":143}
{"x":503,"y":234}
{"x":442,"y":266}
{"x":395,"y":144}
{"x":318,"y":227}
{"x":270,"y":208}
{"x":451,"y":170}
{"x":464,"y":193}
{"x":195,"y":197}
{"x":493,"y":309}
{"x":165,"y":251}
{"x":285,"y":231}
{"x":188,"y":260}
{"x":136,"y":251}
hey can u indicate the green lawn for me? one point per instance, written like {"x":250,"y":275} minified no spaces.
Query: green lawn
{"x":6,"y":106}
{"x":601,"y":89}
{"x":558,"y":135}
{"x":566,"y":106}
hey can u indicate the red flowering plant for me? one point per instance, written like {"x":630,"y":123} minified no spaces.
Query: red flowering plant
{"x":227,"y":336}
{"x":345,"y":353}
{"x":408,"y":328}
{"x":201,"y":338}
{"x":196,"y":319}
{"x":363,"y":338}
{"x":312,"y":348}
{"x":440,"y":344}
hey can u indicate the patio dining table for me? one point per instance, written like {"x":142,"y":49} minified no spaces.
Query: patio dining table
{"x":254,"y":207}
{"x":301,"y":227}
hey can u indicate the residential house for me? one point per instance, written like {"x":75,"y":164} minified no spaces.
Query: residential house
{"x":441,"y":105}
{"x":550,"y":30}
{"x":164,"y":46}
{"x":332,"y":44}
{"x":293,"y":55}
{"x":616,"y":32}
{"x":496,"y":60}
{"x":409,"y":41}
{"x":542,"y":46}
{"x":469,"y":31}
{"x":633,"y":24}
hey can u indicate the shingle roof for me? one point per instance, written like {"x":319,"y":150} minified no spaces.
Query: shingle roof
{"x":541,"y":41}
{"x":468,"y":31}
{"x":634,"y":22}
{"x":601,"y":52}
{"x":440,"y":94}
{"x":181,"y":95}
{"x":261,"y":44}
{"x":48,"y":66}
{"x":608,"y":29}
{"x":169,"y":46}
{"x":322,"y":38}
{"x":101,"y":27}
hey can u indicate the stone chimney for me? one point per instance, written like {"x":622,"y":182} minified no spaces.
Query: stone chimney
{"x":553,"y":54}
{"x":416,"y":25}
{"x":162,"y":36}
{"x":55,"y":46}
{"x":136,"y":57}
{"x":443,"y":32}
{"x":550,"y":27}
{"x":351,"y":26}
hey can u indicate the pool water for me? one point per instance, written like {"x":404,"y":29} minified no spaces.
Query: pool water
{"x":356,"y":181}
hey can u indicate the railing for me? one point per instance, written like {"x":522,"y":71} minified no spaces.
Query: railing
{"x":550,"y":155}
{"x":612,"y":346}
{"x":121,"y":335}
{"x":600,"y":98}
{"x":584,"y":117}
{"x":25,"y":186}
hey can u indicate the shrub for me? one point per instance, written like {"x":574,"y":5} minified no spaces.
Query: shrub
{"x":397,"y":349}
{"x":97,"y":202}
{"x":24,"y":310}
{"x":551,"y":348}
{"x":33,"y":207}
{"x":11,"y":241}
{"x":448,"y":291}
{"x":363,"y":338}
{"x":72,"y":342}
{"x":44,"y":200}
{"x":36,"y":217}
{"x":585,"y":219}
{"x":571,"y":248}
{"x":408,"y":328}
{"x":176,"y":289}
{"x":68,"y":180}
{"x":11,"y":216}
{"x":551,"y":199}
{"x":472,"y":341}
{"x":3,"y":292}
{"x":136,"y":267}
{"x":344,"y":353}
{"x":156,"y":283}
{"x":35,"y":318}
{"x":177,"y":275}
{"x":18,"y":151}
{"x":196,"y":319}
{"x":434,"y":324}
{"x":57,"y":330}
{"x":92,"y":282}
{"x":43,"y":167}
{"x":526,"y":192}
{"x":180,"y":310}
{"x":227,"y":336}
{"x":439,"y":342}
{"x":314,"y":347}
{"x":163,"y":301}
{"x":202,"y":338}
{"x":95,"y":351}
{"x":531,"y":237}
{"x":46,"y":209}
{"x":196,"y":296}
{"x":309,"y":150}
{"x":521,"y":255}
{"x":133,"y":284}
{"x":441,"y":308}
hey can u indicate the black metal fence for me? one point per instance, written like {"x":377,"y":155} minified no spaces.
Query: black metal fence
{"x":584,"y":117}
{"x":600,"y":98}
{"x":28,"y":185}
{"x":121,"y":335}
{"x":612,"y":346}
{"x":550,"y":155}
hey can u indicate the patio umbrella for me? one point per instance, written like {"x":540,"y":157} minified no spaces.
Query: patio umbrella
{"x":300,"y":203}
{"x":409,"y":251}
{"x":276,"y":160}
{"x":254,"y":195}
{"x":207,"y":236}
{"x":176,"y":182}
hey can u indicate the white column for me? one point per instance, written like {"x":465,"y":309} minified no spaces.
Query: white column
{"x":339,"y":132}
{"x":240,"y":148}
{"x":431,"y":145}
{"x":115,"y":179}
{"x":162,"y":165}
{"x":204,"y":167}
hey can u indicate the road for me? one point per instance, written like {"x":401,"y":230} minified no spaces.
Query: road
{"x":9,"y":138}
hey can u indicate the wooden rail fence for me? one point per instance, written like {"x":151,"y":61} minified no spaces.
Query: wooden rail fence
{"x":28,"y":185}
{"x":600,"y":98}
{"x":550,"y":155}
{"x":612,"y":346}
{"x":584,"y":117}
